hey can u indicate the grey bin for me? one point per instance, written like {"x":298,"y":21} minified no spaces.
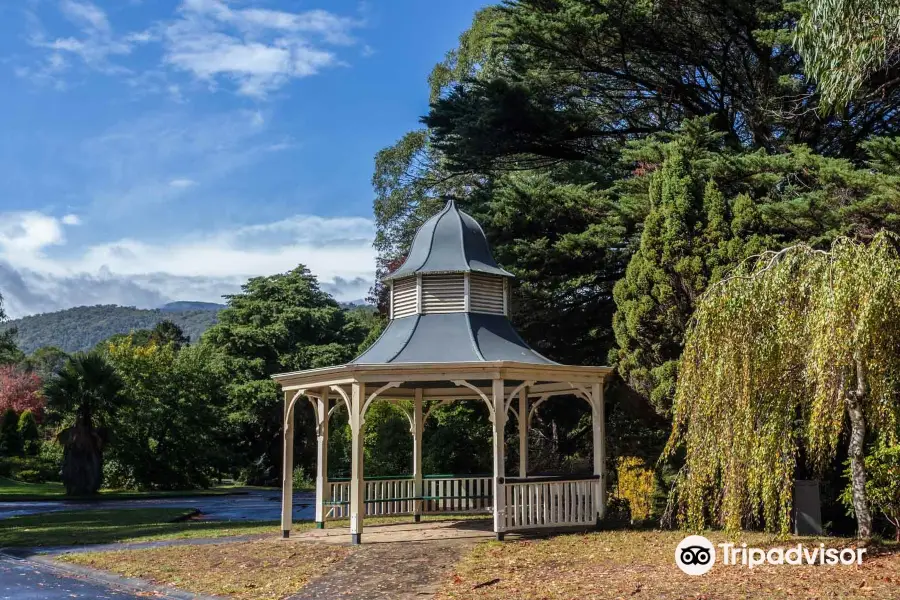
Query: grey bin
{"x":807,"y":508}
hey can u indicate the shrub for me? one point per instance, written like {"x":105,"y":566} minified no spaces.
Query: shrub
{"x":10,"y":442}
{"x":29,"y":434}
{"x":30,"y":476}
{"x":31,"y":469}
{"x":882,"y":484}
{"x":636,"y":484}
{"x":302,"y":481}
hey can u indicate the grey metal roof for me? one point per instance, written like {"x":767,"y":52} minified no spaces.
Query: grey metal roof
{"x":450,"y":337}
{"x":449,"y":242}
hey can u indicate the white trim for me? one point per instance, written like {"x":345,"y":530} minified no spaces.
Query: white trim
{"x":391,"y":300}
{"x":506,"y":296}
{"x":374,"y":395}
{"x":419,"y":293}
{"x":484,"y":397}
{"x":466,"y":288}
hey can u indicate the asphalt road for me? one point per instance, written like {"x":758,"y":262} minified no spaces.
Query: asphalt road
{"x":23,"y":580}
{"x":255,"y":505}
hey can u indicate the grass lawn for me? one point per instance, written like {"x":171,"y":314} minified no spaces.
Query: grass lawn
{"x":264,"y":569}
{"x":88,"y":526}
{"x":98,"y":526}
{"x":12,"y":491}
{"x":639,"y":564}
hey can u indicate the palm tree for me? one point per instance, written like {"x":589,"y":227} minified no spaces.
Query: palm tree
{"x":83,"y":398}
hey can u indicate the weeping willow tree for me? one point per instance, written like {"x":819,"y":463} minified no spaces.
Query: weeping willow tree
{"x":844,"y":42}
{"x":784,"y":356}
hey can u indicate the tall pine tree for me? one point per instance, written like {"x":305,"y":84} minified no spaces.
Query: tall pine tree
{"x":690,"y":237}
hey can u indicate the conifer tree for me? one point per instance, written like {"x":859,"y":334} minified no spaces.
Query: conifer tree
{"x":690,"y":237}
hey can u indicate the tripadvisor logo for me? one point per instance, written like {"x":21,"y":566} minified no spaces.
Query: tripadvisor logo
{"x":696,"y":555}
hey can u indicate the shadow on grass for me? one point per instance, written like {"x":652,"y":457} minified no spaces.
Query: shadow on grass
{"x":70,"y":528}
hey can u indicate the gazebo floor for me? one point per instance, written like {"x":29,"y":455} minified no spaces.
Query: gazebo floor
{"x":403,"y":532}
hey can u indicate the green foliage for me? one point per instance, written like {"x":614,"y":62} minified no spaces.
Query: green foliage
{"x":46,"y":361}
{"x":167,"y":332}
{"x":388,"y":444}
{"x":562,"y":74}
{"x":847,"y":44}
{"x":28,"y":433}
{"x":302,"y":481}
{"x":690,"y":237}
{"x":30,"y":469}
{"x":168,"y":434}
{"x":10,"y":440}
{"x":457,"y":439}
{"x":84,"y":327}
{"x":84,"y":399}
{"x":9,"y":351}
{"x":779,"y":357}
{"x":882,"y":484}
{"x":276,"y":324}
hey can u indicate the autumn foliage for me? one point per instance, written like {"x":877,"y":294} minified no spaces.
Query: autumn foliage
{"x":20,"y":391}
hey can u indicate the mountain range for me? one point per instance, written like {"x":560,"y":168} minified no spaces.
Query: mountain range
{"x":83,"y":327}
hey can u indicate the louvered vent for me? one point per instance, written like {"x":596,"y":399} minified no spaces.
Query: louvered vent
{"x":486,"y":294}
{"x":404,"y":299}
{"x":443,"y":293}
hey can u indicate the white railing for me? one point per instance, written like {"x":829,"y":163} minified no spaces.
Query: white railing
{"x":398,"y":496}
{"x":457,"y":494}
{"x":551,"y":503}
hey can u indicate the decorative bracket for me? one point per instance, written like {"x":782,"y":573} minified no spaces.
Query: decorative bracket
{"x":513,"y":393}
{"x":463,"y":383}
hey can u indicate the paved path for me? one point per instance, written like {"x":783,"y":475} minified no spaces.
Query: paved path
{"x":394,"y":562}
{"x":254,"y":505}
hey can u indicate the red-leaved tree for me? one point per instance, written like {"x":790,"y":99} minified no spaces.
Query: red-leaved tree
{"x":20,"y":391}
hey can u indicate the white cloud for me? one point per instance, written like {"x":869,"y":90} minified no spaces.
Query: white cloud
{"x":85,"y":14}
{"x":198,"y":266}
{"x":71,"y":220}
{"x":182,"y":183}
{"x":28,"y":233}
{"x":256,"y":49}
{"x":260,"y":49}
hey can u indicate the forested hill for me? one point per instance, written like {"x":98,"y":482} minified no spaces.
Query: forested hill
{"x":82,"y":327}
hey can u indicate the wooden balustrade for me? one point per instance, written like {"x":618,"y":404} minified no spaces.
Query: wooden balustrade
{"x":397,"y":496}
{"x":550,"y":502}
{"x":531,"y":503}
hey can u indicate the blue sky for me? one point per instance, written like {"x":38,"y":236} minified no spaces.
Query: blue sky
{"x":157,"y":150}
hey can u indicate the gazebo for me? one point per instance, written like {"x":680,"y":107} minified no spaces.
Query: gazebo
{"x":448,"y":339}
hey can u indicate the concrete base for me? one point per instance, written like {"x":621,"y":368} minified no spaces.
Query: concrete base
{"x":356,"y":538}
{"x":417,"y":518}
{"x":320,"y":524}
{"x":285,"y":533}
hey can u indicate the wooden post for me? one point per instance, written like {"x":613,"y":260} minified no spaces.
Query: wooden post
{"x":357,"y":483}
{"x":523,"y":432}
{"x":498,"y":399}
{"x":418,"y":424}
{"x":287,"y":468}
{"x":598,"y":426}
{"x":322,"y":407}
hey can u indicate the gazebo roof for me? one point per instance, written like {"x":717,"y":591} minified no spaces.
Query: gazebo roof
{"x":450,"y":337}
{"x":449,"y":242}
{"x":448,"y":332}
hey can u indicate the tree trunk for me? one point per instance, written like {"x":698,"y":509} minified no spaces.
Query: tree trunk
{"x":856,"y":452}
